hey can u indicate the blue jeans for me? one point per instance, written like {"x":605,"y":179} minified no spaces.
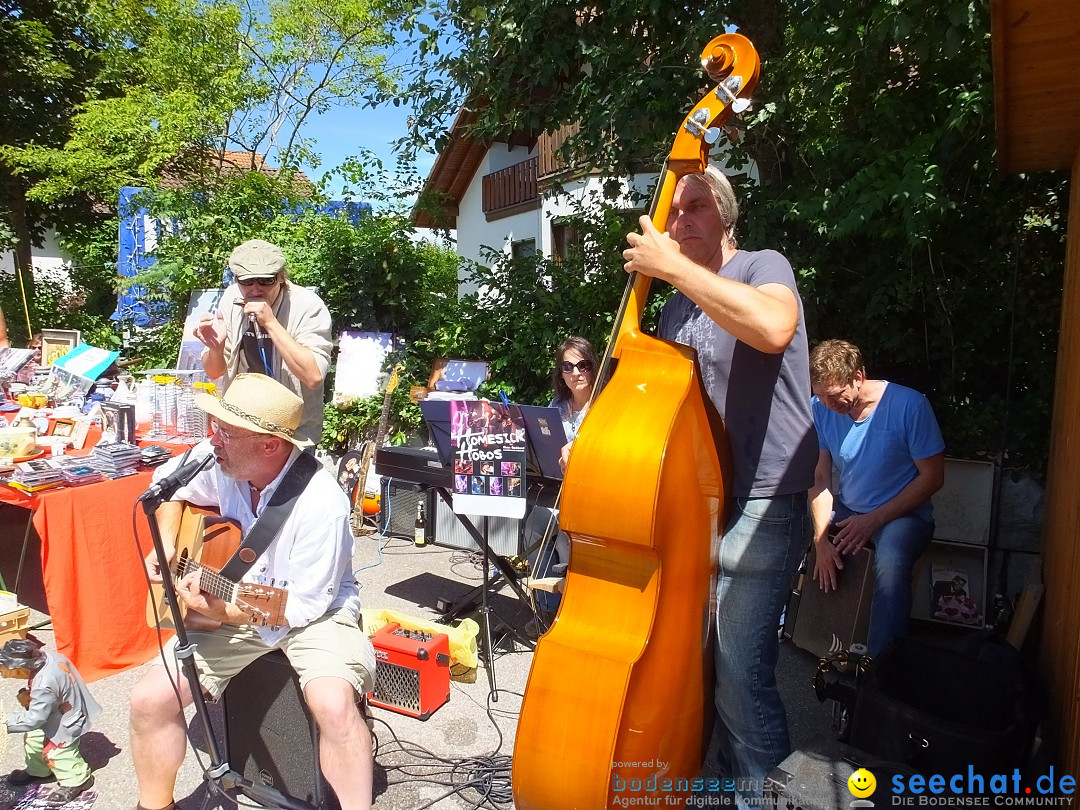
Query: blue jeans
{"x":759,"y":553}
{"x":897,"y":545}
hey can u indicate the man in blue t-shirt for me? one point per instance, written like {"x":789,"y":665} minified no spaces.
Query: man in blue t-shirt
{"x":886,"y":445}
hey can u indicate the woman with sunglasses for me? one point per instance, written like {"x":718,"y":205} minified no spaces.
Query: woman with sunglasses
{"x":573,"y":379}
{"x":267,"y":325}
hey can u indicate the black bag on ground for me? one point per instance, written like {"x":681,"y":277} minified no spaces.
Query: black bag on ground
{"x":940,"y":710}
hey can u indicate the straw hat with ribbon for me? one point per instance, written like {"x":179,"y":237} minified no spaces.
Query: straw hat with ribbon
{"x":260,"y":404}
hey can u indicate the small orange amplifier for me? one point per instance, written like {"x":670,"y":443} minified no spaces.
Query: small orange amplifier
{"x":412,"y":670}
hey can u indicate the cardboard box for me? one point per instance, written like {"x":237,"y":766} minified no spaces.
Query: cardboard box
{"x":14,"y":624}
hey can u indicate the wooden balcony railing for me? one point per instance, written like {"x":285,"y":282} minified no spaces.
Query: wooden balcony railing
{"x":547,"y":149}
{"x":510,"y":190}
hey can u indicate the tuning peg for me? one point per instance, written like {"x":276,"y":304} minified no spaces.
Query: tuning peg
{"x":729,"y":88}
{"x":697,"y":122}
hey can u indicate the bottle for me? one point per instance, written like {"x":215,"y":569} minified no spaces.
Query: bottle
{"x":419,"y":537}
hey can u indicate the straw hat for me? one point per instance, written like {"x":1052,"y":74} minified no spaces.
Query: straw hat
{"x":258,"y":403}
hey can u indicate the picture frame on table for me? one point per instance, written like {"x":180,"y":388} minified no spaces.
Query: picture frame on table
{"x":80,"y":432}
{"x":117,"y":422}
{"x":62,"y":427}
{"x":55,"y":343}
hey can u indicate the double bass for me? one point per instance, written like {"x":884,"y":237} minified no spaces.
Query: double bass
{"x":618,"y":705}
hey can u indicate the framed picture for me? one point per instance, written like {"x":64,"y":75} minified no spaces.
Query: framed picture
{"x":79,"y":433}
{"x":62,"y":427}
{"x":58,"y":342}
{"x":62,"y":385}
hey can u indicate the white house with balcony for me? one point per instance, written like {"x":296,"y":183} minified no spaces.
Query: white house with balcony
{"x":512,"y":197}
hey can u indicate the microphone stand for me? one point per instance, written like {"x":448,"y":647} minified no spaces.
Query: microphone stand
{"x":220,"y":777}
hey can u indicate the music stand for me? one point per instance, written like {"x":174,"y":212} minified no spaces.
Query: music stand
{"x":437,"y":415}
{"x":545,"y":438}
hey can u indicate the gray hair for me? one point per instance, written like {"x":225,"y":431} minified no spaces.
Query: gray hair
{"x":716,"y":183}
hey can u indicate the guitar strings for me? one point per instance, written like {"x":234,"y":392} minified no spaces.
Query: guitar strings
{"x":209,"y":581}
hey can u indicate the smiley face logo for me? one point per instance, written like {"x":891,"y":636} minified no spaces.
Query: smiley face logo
{"x":862,"y":783}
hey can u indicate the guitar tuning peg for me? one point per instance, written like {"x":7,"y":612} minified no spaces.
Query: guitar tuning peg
{"x":711,"y":135}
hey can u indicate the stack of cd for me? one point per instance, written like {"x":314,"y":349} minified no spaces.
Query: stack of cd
{"x":116,"y":460}
{"x":36,"y":475}
{"x":78,"y":471}
{"x":153,"y":455}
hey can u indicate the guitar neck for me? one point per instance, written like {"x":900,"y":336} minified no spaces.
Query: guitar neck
{"x":369,"y":449}
{"x":210,"y":581}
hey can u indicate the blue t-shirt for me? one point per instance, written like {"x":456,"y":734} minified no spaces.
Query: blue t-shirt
{"x":764,"y":399}
{"x":876,"y":457}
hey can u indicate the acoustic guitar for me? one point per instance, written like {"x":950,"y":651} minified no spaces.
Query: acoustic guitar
{"x":205,"y":542}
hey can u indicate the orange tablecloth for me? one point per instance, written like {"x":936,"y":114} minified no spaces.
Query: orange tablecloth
{"x":92,"y":570}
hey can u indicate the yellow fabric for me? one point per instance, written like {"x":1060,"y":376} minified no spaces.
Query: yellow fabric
{"x":462,"y":638}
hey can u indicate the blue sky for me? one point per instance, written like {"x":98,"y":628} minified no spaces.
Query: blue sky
{"x":344,"y":131}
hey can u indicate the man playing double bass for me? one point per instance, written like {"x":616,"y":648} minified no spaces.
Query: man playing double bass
{"x":740,"y":310}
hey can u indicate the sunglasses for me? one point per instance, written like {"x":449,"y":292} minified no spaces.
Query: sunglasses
{"x":583,"y":367}
{"x":262,"y":282}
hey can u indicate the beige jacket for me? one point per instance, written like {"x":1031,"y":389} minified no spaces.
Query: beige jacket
{"x":306,"y":318}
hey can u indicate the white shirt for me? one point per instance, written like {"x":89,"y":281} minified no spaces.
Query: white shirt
{"x":311,"y":556}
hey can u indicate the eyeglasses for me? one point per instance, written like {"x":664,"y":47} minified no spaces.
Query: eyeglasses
{"x":582,"y":367}
{"x":228,"y":438}
{"x":262,"y":282}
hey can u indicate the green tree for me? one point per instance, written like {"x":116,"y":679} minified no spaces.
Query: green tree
{"x":198,"y":76}
{"x":871,"y":141}
{"x":47,"y":62}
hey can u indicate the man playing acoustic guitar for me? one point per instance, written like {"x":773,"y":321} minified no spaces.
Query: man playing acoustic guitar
{"x":310,"y":556}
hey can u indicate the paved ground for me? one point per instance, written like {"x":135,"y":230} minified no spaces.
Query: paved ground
{"x":418,"y":764}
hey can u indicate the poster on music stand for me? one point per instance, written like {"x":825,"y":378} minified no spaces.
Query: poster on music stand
{"x":488,"y":440}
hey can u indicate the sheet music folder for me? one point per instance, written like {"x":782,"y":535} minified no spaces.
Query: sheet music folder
{"x":545,"y":437}
{"x":437,"y":415}
{"x":543,"y":434}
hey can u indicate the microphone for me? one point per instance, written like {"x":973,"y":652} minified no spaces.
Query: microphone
{"x":164,"y":489}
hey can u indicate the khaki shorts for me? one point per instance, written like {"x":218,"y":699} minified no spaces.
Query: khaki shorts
{"x":331,"y":647}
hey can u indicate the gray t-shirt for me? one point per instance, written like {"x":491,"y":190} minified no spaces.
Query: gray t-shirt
{"x":763,"y":398}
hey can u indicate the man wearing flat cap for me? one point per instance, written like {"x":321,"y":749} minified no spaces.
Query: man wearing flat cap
{"x":267,"y":325}
{"x":262,"y":478}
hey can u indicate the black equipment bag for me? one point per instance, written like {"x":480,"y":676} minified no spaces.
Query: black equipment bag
{"x":942,"y":710}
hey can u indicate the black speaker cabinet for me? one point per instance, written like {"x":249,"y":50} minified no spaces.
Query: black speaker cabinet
{"x":397,"y":508}
{"x":270,"y":737}
{"x":503,"y":534}
{"x":830,"y":622}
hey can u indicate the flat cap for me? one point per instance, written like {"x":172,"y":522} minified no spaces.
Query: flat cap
{"x":256,"y":258}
